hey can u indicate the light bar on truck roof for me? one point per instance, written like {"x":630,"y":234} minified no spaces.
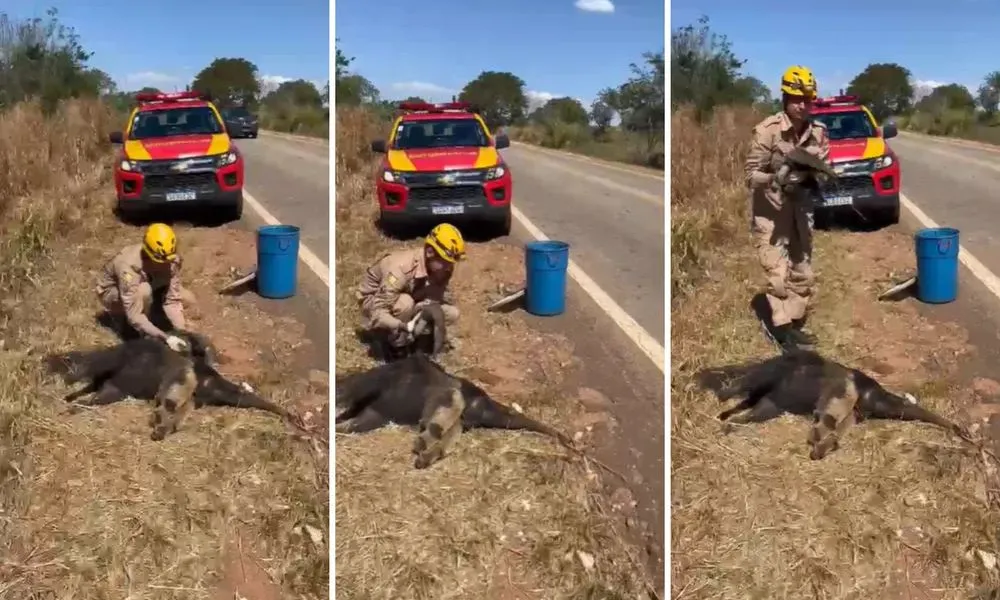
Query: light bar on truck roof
{"x":151,"y":97}
{"x":838,"y":101}
{"x":434,"y":108}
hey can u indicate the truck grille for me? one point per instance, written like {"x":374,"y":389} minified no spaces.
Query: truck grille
{"x":173,"y":181}
{"x":462,"y":193}
{"x":852,"y":185}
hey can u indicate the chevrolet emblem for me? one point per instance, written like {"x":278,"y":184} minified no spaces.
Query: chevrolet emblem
{"x":447,"y":179}
{"x":180,"y":166}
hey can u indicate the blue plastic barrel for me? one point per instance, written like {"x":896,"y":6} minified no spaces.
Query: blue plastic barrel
{"x":545,"y":264}
{"x":937,"y":264}
{"x":277,"y":260}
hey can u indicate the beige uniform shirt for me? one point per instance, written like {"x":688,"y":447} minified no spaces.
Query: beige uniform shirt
{"x":395,"y":274}
{"x":772,"y":139}
{"x":125,"y":273}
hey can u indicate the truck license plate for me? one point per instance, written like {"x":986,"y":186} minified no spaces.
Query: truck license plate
{"x":838,"y":201}
{"x":181,"y":196}
{"x":448,"y":210}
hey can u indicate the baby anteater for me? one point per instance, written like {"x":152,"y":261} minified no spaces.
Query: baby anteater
{"x":804,"y":383}
{"x":147,"y":369}
{"x":416,"y":391}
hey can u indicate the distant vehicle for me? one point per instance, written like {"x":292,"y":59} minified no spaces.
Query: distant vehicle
{"x":240,"y":122}
{"x":869,"y":169}
{"x":175,"y":151}
{"x":442,"y":163}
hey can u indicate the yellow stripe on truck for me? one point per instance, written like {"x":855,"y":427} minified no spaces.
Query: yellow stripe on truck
{"x":487,"y":158}
{"x":219,"y":144}
{"x":874,"y":148}
{"x":399,"y":161}
{"x":134,"y":150}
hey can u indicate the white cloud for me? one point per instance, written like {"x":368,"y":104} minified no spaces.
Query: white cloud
{"x":923,"y":88}
{"x":428,"y":91}
{"x":164,"y":81}
{"x":601,"y":6}
{"x":269,"y":83}
{"x":537,"y":99}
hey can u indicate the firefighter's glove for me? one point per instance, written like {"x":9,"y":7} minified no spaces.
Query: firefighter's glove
{"x":175,"y":343}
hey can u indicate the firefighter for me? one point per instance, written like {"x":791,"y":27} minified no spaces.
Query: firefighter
{"x":399,"y":283}
{"x":781,"y":210}
{"x":141,"y":276}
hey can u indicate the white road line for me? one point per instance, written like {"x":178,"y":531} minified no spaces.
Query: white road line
{"x":313,"y":262}
{"x":978,"y":269}
{"x":649,"y":346}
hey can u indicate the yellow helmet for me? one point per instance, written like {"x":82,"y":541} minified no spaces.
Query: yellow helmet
{"x":447,"y":242}
{"x":798,"y":81}
{"x":160,"y":243}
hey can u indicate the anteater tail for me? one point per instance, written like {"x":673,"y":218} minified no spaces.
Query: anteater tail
{"x":483,"y":411}
{"x":219,"y":391}
{"x":886,"y":405}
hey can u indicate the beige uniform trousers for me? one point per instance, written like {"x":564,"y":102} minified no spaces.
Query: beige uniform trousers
{"x":783,"y":239}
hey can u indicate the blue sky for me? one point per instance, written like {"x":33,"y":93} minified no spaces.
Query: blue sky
{"x":953,"y":42}
{"x":164,"y":44}
{"x":432,"y":48}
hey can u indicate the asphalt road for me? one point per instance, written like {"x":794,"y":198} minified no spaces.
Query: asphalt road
{"x":957,"y":186}
{"x":611,"y":216}
{"x":291,"y":178}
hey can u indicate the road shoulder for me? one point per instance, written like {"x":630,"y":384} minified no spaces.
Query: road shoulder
{"x":508,"y":511}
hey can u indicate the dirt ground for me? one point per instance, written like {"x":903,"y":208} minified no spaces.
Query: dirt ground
{"x":507,"y":514}
{"x":233,"y":505}
{"x":902,"y":510}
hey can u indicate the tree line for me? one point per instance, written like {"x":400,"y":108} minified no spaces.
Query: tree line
{"x":706,"y":73}
{"x":501,"y":97}
{"x":42,"y":58}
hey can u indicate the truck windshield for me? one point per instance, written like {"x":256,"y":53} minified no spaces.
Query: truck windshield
{"x":169,"y":122}
{"x":440,"y":133}
{"x":847,"y":125}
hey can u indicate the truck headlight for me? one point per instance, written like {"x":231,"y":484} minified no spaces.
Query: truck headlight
{"x":226,"y":159}
{"x":392,"y":176}
{"x":883,"y":162}
{"x":127,"y":165}
{"x":495,"y":173}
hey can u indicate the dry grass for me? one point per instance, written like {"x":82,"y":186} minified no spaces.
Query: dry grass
{"x":91,"y":507}
{"x":296,"y":120}
{"x":504,"y":515}
{"x":901,"y":509}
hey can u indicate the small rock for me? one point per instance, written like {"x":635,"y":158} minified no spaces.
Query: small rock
{"x":587,"y":560}
{"x":320,"y":380}
{"x":622,"y":500}
{"x":988,"y":559}
{"x":517,"y":407}
{"x":986,"y":388}
{"x":315,"y":535}
{"x":593,"y":400}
